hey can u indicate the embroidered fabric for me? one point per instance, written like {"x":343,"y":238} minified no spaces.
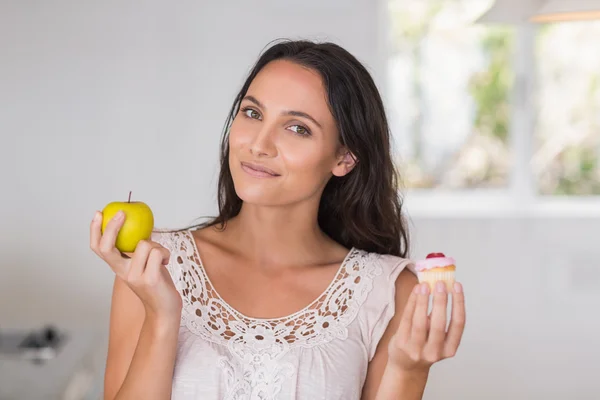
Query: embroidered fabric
{"x":257,"y":370}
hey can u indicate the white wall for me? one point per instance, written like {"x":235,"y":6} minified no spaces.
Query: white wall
{"x":532,"y":301}
{"x":100,"y":98}
{"x":105,"y":97}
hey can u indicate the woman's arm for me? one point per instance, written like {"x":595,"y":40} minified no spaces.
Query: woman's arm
{"x":377,"y":373}
{"x":413,"y":341}
{"x":144,"y":318}
{"x":141,"y":350}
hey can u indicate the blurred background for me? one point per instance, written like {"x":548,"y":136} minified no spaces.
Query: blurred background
{"x":495,"y":113}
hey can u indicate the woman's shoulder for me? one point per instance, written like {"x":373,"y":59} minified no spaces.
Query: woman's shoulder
{"x":393,"y":279}
{"x":391,"y":264}
{"x":394,"y":275}
{"x":391,"y":259}
{"x":388,"y":274}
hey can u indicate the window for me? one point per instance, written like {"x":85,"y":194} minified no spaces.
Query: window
{"x":450,"y":87}
{"x":567,"y":132}
{"x":461,"y":113}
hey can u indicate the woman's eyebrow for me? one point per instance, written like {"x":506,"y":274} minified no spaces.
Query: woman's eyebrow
{"x":290,"y":112}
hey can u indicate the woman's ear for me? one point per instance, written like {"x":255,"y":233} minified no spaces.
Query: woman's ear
{"x":346,"y":162}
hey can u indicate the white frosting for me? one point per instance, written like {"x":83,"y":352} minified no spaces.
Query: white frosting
{"x":434,"y":262}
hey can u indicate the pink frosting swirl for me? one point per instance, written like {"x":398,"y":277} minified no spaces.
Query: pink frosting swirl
{"x":435,"y":262}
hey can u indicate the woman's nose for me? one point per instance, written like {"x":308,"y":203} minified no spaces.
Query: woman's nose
{"x":263,"y":144}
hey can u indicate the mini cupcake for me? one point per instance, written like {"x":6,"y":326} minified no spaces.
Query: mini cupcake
{"x":436,"y":267}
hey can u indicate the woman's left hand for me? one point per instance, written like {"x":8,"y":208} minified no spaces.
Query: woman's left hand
{"x":422,"y":340}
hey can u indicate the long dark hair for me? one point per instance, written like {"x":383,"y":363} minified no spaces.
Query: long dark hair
{"x":362,"y":209}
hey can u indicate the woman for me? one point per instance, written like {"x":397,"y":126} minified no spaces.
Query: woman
{"x":299,"y":288}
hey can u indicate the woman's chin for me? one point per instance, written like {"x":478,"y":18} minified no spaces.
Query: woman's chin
{"x":253,"y":194}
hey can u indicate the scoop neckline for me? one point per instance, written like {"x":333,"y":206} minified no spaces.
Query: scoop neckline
{"x":241,"y":315}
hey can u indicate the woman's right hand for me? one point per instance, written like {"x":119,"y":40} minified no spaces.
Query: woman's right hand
{"x":144,"y":272}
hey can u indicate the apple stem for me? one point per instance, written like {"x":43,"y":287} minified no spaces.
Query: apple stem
{"x":129,"y":200}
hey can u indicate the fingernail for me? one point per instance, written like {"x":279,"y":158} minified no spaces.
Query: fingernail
{"x":119,"y":216}
{"x":416,"y":289}
{"x":95,"y":216}
{"x":425,"y":288}
{"x":458,"y":287}
{"x":440,"y":287}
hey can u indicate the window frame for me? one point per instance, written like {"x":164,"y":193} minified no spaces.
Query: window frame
{"x":520,"y":197}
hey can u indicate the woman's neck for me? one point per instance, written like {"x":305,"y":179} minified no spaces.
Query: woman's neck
{"x":279,"y":236}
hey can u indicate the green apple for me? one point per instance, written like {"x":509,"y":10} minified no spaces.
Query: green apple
{"x":138,"y":225}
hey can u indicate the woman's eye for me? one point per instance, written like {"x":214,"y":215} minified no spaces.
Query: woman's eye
{"x":297,"y":129}
{"x":300,"y":130}
{"x":250,"y":113}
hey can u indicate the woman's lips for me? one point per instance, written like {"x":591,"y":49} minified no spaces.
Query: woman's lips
{"x":258,"y":170}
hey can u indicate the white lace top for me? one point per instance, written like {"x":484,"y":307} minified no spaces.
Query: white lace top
{"x":320,"y":352}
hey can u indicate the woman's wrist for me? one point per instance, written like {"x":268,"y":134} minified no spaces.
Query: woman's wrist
{"x":414,"y":374}
{"x":400,"y":383}
{"x":162,"y":325}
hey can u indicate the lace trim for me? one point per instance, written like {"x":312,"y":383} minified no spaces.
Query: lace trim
{"x":259,"y":344}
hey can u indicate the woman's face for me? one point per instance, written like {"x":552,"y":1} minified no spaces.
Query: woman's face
{"x":283,"y":144}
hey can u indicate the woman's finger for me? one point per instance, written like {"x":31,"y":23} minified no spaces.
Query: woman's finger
{"x":95,"y":232}
{"x":418,"y":334}
{"x":107,"y":248}
{"x":457,"y":321}
{"x":111,"y":231}
{"x":437,"y":332}
{"x":147,"y":254}
{"x":407,"y":315}
{"x":159,"y":256}
{"x":139,"y":259}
